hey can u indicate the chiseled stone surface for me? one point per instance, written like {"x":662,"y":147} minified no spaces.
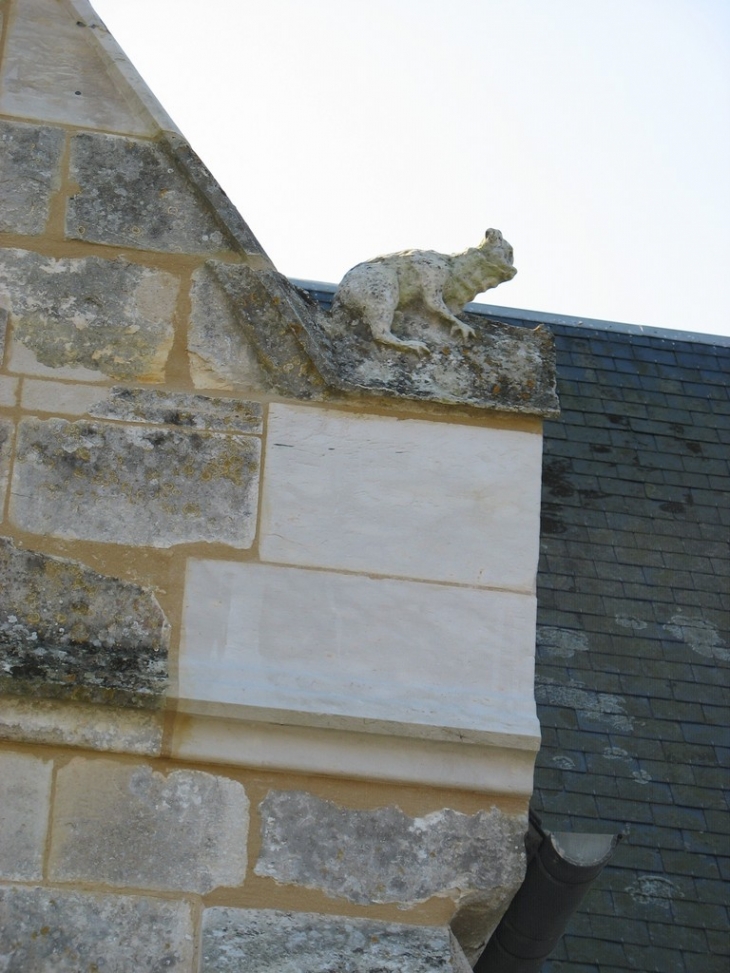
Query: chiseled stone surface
{"x":68,"y":632}
{"x":261,"y":941}
{"x":130,"y":826}
{"x":132,"y":194}
{"x":220,"y":354}
{"x":180,"y":409}
{"x":383,"y":855}
{"x":404,"y":497}
{"x":30,"y":157}
{"x":270,"y":314}
{"x":131,"y":484}
{"x":44,"y":930}
{"x":87,"y":317}
{"x":25,"y":791}
{"x":92,"y":727}
{"x":380,"y":655}
{"x":55,"y":71}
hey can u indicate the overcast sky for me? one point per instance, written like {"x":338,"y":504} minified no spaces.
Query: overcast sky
{"x":594,"y":133}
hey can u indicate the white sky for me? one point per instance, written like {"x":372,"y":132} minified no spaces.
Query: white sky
{"x":594,"y":133}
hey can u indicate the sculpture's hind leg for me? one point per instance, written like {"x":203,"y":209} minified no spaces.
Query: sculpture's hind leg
{"x":379,"y":295}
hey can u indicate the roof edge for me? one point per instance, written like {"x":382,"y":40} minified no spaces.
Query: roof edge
{"x":516,"y":315}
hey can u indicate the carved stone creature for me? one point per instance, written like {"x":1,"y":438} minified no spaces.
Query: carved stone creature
{"x":440,"y":283}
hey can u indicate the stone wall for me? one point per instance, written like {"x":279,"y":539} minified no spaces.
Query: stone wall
{"x":268,"y":593}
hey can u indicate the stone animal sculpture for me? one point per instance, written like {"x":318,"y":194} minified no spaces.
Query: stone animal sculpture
{"x":440,"y":283}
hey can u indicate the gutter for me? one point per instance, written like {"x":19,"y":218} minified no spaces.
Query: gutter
{"x":561,"y":868}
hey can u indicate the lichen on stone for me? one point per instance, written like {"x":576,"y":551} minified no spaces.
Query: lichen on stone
{"x":67,"y":632}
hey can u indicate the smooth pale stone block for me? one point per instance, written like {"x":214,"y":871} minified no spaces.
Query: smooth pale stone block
{"x":60,"y":398}
{"x":59,"y":931}
{"x":405,"y":497}
{"x":128,"y":825}
{"x":25,"y":791}
{"x":55,"y":69}
{"x":8,"y":390}
{"x":325,"y":649}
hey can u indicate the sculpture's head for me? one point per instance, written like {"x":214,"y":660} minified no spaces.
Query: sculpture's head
{"x":499,"y":253}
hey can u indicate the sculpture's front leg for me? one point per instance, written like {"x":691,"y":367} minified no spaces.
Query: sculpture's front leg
{"x":463,"y":328}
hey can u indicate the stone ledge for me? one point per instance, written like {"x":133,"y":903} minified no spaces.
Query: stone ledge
{"x":309,"y":355}
{"x":498,"y":768}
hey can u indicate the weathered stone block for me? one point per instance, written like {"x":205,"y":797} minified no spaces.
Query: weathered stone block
{"x":220,"y":355}
{"x":44,"y":930}
{"x":25,"y":791}
{"x":433,"y":501}
{"x":66,"y":631}
{"x":30,"y":158}
{"x":87,"y":318}
{"x":380,"y":655}
{"x":128,"y":484}
{"x":383,"y":855}
{"x":263,"y":323}
{"x":260,"y":941}
{"x":132,"y":194}
{"x":180,"y":409}
{"x":131,"y":826}
{"x":55,"y":69}
{"x":6,"y":444}
{"x":78,"y":725}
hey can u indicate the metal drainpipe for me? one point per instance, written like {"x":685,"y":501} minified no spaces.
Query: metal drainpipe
{"x":561,"y":868}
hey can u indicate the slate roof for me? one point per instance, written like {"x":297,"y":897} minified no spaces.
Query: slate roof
{"x":633,"y":645}
{"x":633,"y":641}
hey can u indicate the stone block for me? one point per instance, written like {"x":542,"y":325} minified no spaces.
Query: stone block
{"x":220,"y":355}
{"x":127,"y":825}
{"x":43,"y":930}
{"x":30,"y":159}
{"x":410,"y":498}
{"x":132,"y":194}
{"x":382,"y":855}
{"x":347,"y":651}
{"x":8,"y":390}
{"x":180,"y":409}
{"x":88,"y":318}
{"x":55,"y":69}
{"x":25,"y":792}
{"x":283,"y":942}
{"x":6,"y":445}
{"x":66,"y":631}
{"x":155,"y":406}
{"x":260,"y":318}
{"x":130,"y":484}
{"x":91,"y":727}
